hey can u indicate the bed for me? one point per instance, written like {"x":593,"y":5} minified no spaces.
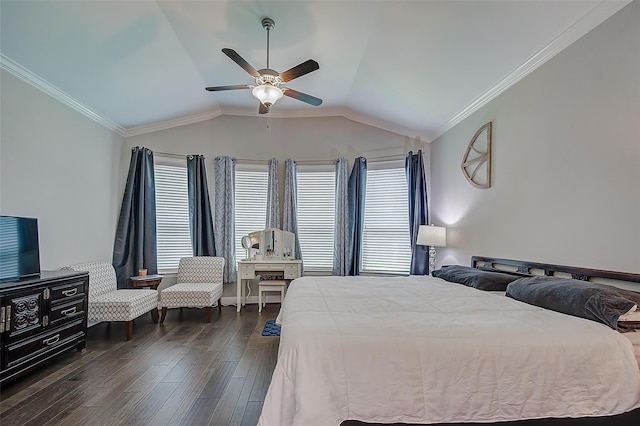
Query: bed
{"x":422,"y":350}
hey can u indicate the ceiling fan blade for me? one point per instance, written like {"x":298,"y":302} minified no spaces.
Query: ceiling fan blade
{"x":240,"y":61}
{"x":312,"y":100}
{"x":263,"y":109}
{"x":299,"y":70}
{"x":234,"y":87}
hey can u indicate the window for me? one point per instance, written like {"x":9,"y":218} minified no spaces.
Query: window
{"x":172,"y":213}
{"x":251,"y":202}
{"x":386,"y":243}
{"x":316,"y":215}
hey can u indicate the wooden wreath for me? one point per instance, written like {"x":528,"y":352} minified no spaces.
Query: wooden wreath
{"x":477,"y":157}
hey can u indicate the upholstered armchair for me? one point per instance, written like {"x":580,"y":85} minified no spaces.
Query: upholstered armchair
{"x":199,"y":285}
{"x":107,"y":303}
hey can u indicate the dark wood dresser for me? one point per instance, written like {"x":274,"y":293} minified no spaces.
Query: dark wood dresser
{"x":41,"y":318}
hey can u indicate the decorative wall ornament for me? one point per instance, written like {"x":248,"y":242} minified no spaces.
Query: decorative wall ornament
{"x":477,"y":158}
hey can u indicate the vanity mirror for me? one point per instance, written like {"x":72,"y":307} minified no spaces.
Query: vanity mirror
{"x":270,"y":243}
{"x":254,"y":241}
{"x":288,"y":245}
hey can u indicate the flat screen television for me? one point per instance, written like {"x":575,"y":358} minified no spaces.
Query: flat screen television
{"x":19,"y":249}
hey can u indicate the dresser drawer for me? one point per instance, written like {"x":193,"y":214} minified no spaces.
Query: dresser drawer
{"x":247,"y":272}
{"x":269,"y":267}
{"x":291,"y":271}
{"x":44,"y":342}
{"x":63,"y":312}
{"x":63,"y":292}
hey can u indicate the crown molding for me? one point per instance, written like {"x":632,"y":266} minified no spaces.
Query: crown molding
{"x":385,"y":125}
{"x":168,"y":124}
{"x":204,"y":116}
{"x":38,"y":82}
{"x":277,"y":114}
{"x":595,"y":17}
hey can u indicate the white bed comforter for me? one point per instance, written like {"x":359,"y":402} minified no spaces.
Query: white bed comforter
{"x":420,"y":350}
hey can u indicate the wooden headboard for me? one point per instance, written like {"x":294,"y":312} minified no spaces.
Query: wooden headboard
{"x":519,"y":267}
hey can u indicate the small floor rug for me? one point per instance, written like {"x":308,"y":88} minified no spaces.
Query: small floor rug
{"x":271,"y":329}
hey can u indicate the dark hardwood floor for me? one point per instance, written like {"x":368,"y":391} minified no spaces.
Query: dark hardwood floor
{"x":183,"y":372}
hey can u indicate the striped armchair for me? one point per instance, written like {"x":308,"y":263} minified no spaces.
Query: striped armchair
{"x":199,"y":285}
{"x":107,"y":303}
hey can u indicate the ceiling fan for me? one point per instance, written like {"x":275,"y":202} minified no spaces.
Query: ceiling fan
{"x":267,"y":89}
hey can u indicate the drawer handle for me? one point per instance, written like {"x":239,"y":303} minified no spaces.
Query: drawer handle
{"x":51,"y":340}
{"x":69,"y":311}
{"x":71,"y":292}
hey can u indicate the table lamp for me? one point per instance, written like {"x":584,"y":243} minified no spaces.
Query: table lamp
{"x":432,"y":236}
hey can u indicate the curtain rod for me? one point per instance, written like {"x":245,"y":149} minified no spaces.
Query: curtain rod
{"x":325,"y":161}
{"x":253,"y":161}
{"x":168,"y":154}
{"x":315,"y":162}
{"x":320,"y":161}
{"x":244,"y":160}
{"x":388,"y":157}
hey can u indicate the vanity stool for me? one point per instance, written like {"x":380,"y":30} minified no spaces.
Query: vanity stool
{"x":271,"y":285}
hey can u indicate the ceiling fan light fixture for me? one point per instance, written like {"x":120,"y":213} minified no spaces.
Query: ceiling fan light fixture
{"x":267,"y":94}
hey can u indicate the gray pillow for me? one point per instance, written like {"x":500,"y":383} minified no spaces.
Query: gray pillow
{"x":476,"y":278}
{"x":596,"y":302}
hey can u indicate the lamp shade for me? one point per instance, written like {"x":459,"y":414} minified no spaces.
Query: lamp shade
{"x":267,"y":94}
{"x":429,"y":235}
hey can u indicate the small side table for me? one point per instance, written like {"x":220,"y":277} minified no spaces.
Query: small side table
{"x":152,"y":281}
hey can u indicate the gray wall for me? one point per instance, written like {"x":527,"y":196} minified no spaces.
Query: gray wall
{"x":62,"y":168}
{"x":566,"y":164}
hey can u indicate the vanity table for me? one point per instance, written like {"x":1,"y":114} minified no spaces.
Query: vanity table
{"x":250,"y":269}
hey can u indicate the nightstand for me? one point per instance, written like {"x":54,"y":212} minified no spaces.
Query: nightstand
{"x":151,"y":281}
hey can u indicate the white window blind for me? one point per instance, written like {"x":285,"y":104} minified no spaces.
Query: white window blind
{"x":172,"y":215}
{"x":316,"y":215}
{"x":251,"y":202}
{"x":386,"y":243}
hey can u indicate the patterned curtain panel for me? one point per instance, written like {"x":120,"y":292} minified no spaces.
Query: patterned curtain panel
{"x":340,"y":246}
{"x":200,"y":217}
{"x":224,"y":229}
{"x":290,"y":216}
{"x":135,"y":245}
{"x":418,"y":211}
{"x":273,"y":196}
{"x":356,"y":196}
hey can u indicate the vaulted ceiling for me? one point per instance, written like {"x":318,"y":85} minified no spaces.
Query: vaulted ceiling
{"x":412,"y":67}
